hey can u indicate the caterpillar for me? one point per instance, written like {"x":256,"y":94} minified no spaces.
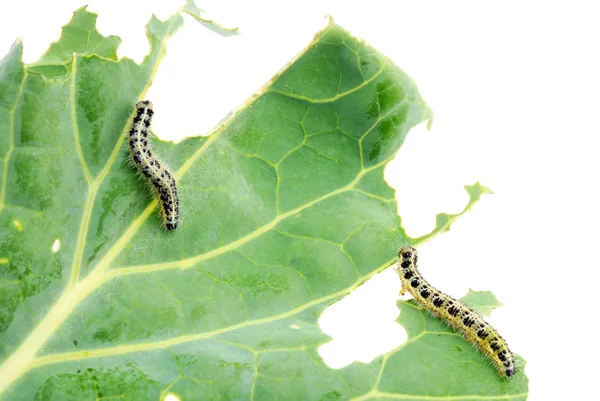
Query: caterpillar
{"x":473,"y":327}
{"x":161,"y":180}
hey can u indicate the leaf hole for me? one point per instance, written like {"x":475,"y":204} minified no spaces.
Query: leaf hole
{"x":362,"y":325}
{"x":425,"y":192}
{"x":171,"y":397}
{"x":56,"y":245}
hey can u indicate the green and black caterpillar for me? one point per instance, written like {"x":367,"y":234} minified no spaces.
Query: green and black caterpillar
{"x":473,"y":327}
{"x":161,"y":180}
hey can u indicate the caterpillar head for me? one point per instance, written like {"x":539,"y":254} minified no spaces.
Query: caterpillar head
{"x":407,"y":252}
{"x":144,"y":104}
{"x":171,"y":224}
{"x":407,"y":256}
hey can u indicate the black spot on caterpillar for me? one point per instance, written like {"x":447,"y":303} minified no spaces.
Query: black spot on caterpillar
{"x":473,"y":327}
{"x":162,"y":181}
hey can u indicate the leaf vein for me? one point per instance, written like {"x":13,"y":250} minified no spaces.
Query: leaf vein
{"x":130,"y":348}
{"x":235,"y":244}
{"x":11,"y":142}
{"x":333,"y":98}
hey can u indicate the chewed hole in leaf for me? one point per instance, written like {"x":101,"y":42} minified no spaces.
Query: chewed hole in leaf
{"x":56,"y":246}
{"x":362,"y":324}
{"x":172,"y":397}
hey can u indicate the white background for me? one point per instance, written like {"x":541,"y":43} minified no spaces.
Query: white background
{"x":515,"y":90}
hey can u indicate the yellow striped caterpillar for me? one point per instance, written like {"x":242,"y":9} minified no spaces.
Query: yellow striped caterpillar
{"x":162,"y":181}
{"x":473,"y":327}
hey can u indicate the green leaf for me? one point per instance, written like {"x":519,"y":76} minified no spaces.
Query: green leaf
{"x":196,"y":13}
{"x":443,"y":221}
{"x":57,"y":59}
{"x":437,"y":362}
{"x":285,"y":211}
{"x":482,"y":302}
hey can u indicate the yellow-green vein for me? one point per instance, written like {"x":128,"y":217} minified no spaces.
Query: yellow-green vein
{"x":17,"y":363}
{"x":74,"y":122}
{"x":183,"y":263}
{"x":333,"y":98}
{"x":129,"y":348}
{"x":379,"y":394}
{"x":11,"y":142}
{"x":92,"y":188}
